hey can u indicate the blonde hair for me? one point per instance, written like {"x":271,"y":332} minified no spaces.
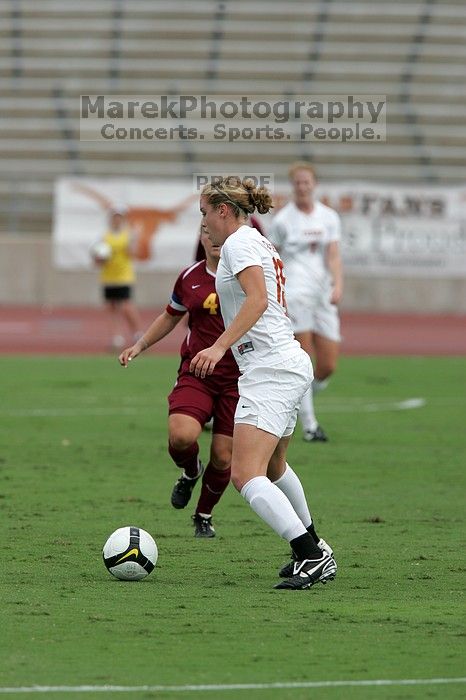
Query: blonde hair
{"x":243,"y":196}
{"x":301,"y":165}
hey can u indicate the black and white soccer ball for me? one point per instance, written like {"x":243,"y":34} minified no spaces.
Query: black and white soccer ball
{"x":130,"y":553}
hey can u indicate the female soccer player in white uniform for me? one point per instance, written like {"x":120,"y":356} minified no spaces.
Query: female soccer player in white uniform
{"x":307,"y":234}
{"x":275,"y":374}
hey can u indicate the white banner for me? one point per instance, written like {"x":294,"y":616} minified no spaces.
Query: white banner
{"x":400,"y":231}
{"x":389,"y":230}
{"x":164,"y":216}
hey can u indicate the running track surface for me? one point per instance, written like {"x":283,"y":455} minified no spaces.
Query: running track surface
{"x":85,"y":331}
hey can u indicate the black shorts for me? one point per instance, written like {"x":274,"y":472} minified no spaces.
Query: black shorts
{"x":117,"y":292}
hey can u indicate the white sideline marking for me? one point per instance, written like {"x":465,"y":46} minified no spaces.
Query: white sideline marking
{"x":66,"y":412}
{"x":373,"y":407}
{"x":232,"y":686}
{"x":411,"y":403}
{"x":353,"y":405}
{"x":395,"y":405}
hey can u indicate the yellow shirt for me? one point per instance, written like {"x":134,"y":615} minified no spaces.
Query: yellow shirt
{"x":119,"y":269}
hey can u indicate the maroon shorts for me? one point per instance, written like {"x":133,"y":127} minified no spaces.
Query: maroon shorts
{"x":204,"y":399}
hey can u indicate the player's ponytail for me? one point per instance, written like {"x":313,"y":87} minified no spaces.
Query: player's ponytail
{"x":259,"y":197}
{"x":243,"y":196}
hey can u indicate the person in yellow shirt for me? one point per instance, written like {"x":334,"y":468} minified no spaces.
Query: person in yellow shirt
{"x":117,"y":277}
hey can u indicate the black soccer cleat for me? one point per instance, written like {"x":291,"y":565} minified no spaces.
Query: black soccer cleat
{"x":308,"y":572}
{"x":203,"y":526}
{"x":183,"y":489}
{"x":316,"y":435}
{"x":287,"y":570}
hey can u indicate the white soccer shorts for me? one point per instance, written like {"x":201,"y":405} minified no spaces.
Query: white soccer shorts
{"x":269,"y":396}
{"x":320,"y":317}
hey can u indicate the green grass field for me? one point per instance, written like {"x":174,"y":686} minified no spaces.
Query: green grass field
{"x":83,"y":451}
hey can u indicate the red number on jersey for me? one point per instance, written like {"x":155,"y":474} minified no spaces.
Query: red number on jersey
{"x":278,"y":265}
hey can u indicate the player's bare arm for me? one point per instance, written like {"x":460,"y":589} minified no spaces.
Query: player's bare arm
{"x":159,"y":328}
{"x":336,"y":270}
{"x":252,"y":283}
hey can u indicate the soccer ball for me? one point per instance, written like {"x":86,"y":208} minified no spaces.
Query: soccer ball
{"x":130,"y":553}
{"x":101,"y":251}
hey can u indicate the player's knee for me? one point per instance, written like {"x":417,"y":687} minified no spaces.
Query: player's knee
{"x":180,"y":440}
{"x":221,"y":459}
{"x":325,"y":370}
{"x":183,"y":431}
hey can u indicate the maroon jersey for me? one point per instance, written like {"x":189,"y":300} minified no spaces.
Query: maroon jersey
{"x":194,"y":293}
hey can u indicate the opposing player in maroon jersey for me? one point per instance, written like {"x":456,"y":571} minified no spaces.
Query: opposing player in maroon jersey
{"x":193,"y":400}
{"x":252,"y":221}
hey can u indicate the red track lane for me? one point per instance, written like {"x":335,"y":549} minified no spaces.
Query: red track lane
{"x":85,"y":331}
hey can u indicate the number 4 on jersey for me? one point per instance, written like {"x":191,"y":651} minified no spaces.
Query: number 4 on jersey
{"x":211,"y":303}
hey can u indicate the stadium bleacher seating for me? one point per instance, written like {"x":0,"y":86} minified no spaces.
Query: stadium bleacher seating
{"x":52,"y":51}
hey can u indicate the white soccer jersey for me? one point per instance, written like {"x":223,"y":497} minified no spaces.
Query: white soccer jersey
{"x":271,"y":339}
{"x":302,"y":240}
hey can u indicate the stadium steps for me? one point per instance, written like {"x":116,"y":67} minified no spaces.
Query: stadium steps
{"x":278,"y":69}
{"x":169,"y":48}
{"x":144,"y":169}
{"x":51,"y":52}
{"x":22,"y":134}
{"x":34,"y":88}
{"x":22,"y":140}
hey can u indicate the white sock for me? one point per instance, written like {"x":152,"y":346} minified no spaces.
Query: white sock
{"x":291,"y":486}
{"x":306,"y":412}
{"x":319,"y":385}
{"x":271,"y":504}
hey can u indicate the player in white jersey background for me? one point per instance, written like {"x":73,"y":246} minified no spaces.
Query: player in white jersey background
{"x":307,"y":234}
{"x":275,"y":374}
